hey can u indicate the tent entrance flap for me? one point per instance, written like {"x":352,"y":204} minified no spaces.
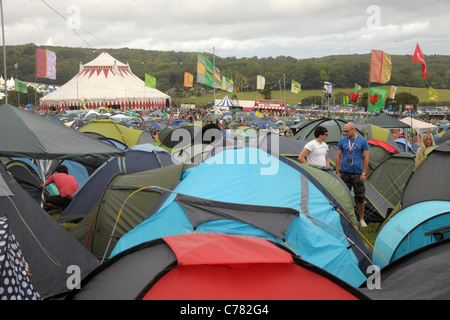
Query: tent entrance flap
{"x":274,"y":220}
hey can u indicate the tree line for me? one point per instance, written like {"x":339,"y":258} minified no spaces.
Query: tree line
{"x":168,"y":67}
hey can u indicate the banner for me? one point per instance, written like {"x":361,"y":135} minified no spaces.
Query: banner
{"x":418,"y":57}
{"x":260,"y":82}
{"x":20,"y":86}
{"x":376,"y":99}
{"x":432,"y":94}
{"x":358,"y":88}
{"x":393,"y":92}
{"x":380,"y":67}
{"x":295,"y":87}
{"x":45,"y":64}
{"x":150,"y":81}
{"x":207,"y":74}
{"x":188,"y":79}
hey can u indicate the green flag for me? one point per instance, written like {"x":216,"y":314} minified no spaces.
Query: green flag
{"x":131,"y":113}
{"x":376,"y":99}
{"x":345,"y":101}
{"x":20,"y":86}
{"x":207,"y":74}
{"x":150,"y":81}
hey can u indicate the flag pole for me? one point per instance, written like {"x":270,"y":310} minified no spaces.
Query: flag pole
{"x":4,"y":54}
{"x":214,"y":79}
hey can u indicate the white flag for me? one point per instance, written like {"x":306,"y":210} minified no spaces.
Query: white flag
{"x":260,"y":82}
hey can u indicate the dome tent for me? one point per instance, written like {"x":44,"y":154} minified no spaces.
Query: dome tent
{"x":211,"y":267}
{"x":104,"y":82}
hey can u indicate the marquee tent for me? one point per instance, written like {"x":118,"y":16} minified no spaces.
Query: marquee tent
{"x":105,"y":82}
{"x":419,"y":126}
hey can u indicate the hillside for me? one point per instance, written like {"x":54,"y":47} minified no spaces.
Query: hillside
{"x":169,"y":67}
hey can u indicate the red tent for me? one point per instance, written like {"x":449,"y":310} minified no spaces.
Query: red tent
{"x":211,"y":267}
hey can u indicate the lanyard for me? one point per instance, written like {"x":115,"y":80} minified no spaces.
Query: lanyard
{"x":350,"y":146}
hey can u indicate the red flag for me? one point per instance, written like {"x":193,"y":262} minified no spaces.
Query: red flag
{"x":45,"y":64}
{"x":418,"y":57}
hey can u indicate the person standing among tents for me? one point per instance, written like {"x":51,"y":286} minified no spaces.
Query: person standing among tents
{"x":352,"y":162}
{"x":316,"y":151}
{"x":67,"y":185}
{"x":426,"y":142}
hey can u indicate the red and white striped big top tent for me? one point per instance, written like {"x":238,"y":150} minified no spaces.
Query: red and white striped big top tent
{"x":105,"y":82}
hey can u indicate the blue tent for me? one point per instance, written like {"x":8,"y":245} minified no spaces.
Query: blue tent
{"x":410,"y":229}
{"x":137,"y":159}
{"x":252,"y":193}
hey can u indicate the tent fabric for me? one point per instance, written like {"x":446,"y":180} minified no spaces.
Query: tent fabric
{"x":391,"y":175}
{"x":410,"y":229}
{"x":419,"y":126}
{"x":429,"y":180}
{"x":15,"y":281}
{"x":103,"y":82}
{"x":32,"y":136}
{"x":137,"y":159}
{"x":382,"y":136}
{"x":421,"y":275}
{"x":225,"y":102}
{"x":211,"y":267}
{"x":95,"y":229}
{"x":118,"y":131}
{"x":388,"y":122}
{"x":316,"y":234}
{"x":335,"y":129}
{"x":46,"y":246}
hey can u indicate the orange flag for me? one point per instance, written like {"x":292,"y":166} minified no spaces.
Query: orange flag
{"x":188,"y":79}
{"x":381,"y":67}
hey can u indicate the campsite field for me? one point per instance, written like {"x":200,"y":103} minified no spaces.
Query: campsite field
{"x":293,"y":99}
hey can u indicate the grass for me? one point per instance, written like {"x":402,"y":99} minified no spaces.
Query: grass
{"x":293,"y":99}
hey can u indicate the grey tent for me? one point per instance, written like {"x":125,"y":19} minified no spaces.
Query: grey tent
{"x":421,"y":275}
{"x":27,"y":135}
{"x":429,"y":180}
{"x":48,"y":249}
{"x":388,"y":122}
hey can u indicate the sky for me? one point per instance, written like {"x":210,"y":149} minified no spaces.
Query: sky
{"x":234,"y":28}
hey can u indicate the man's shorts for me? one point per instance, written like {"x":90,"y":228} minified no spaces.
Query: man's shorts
{"x":58,"y":200}
{"x":353,"y":180}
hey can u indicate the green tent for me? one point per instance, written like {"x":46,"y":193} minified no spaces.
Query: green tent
{"x":96,"y":228}
{"x":335,"y":129}
{"x":118,"y":131}
{"x":390,"y":176}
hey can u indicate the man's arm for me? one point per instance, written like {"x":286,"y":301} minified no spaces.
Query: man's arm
{"x":365,"y":165}
{"x":302,"y":156}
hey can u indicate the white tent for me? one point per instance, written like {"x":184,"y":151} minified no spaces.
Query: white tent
{"x":418,"y":126}
{"x":225,"y":102}
{"x":105,"y":82}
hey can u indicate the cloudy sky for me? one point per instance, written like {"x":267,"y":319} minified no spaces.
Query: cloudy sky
{"x":240,"y":28}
